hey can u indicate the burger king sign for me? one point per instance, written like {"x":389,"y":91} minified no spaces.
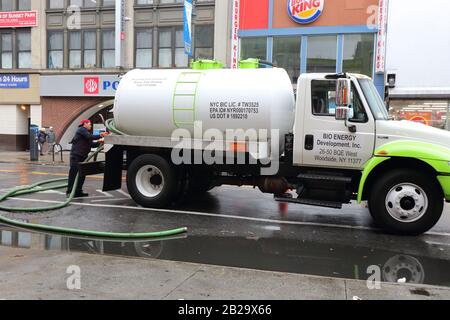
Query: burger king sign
{"x":305,"y":11}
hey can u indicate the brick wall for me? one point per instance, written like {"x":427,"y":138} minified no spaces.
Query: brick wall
{"x":61,"y":112}
{"x":13,"y":142}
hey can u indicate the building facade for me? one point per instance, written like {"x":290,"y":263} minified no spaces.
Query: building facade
{"x":57,"y":57}
{"x":19,"y":73}
{"x":312,"y":35}
{"x":60,"y":67}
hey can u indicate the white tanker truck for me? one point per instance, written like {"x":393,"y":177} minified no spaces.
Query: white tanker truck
{"x":188,"y":131}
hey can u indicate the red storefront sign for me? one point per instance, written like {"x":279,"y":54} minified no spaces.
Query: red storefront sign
{"x":421,"y":117}
{"x":91,"y":85}
{"x":17,"y":19}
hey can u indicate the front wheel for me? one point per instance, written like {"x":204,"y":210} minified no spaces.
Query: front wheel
{"x":152,"y":181}
{"x":406,"y":202}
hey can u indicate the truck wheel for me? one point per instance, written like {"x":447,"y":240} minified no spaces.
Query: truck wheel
{"x":151,"y":181}
{"x":406,"y":202}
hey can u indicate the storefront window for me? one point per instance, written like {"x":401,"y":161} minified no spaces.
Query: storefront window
{"x":144,"y":51}
{"x":7,"y":5}
{"x":254,"y":48}
{"x":109,"y":3}
{"x":24,"y":5}
{"x":165,"y":48}
{"x":286,"y":54}
{"x":82,"y":49}
{"x":435,"y":113}
{"x":171,"y":48}
{"x":204,"y":42}
{"x":55,"y":50}
{"x":108,"y":51}
{"x":181,"y":59}
{"x":90,"y":49}
{"x":322,"y":52}
{"x":24,"y":49}
{"x":75,"y":50}
{"x":142,"y":2}
{"x":83,"y":3}
{"x":56,"y":4}
{"x":7,"y":51}
{"x":359,"y":53}
{"x":170,"y":1}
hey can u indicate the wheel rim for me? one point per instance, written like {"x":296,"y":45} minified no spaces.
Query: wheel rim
{"x":406,"y":202}
{"x":403,"y":266}
{"x":150,"y":181}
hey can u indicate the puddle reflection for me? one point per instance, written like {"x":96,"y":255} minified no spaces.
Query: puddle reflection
{"x":272,"y":254}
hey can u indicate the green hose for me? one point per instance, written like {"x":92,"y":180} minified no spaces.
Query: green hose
{"x":113,"y":128}
{"x":57,"y":184}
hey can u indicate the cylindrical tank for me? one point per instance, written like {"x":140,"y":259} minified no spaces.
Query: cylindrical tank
{"x":156,"y":102}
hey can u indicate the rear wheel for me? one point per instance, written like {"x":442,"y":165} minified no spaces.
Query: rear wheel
{"x":152,"y":181}
{"x":406,"y":202}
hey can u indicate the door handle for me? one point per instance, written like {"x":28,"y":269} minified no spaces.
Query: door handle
{"x":309,"y":142}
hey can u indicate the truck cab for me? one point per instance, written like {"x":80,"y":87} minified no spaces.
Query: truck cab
{"x":321,"y":139}
{"x":342,"y":130}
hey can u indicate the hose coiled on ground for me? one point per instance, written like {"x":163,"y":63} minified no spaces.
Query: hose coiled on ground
{"x":55,"y":184}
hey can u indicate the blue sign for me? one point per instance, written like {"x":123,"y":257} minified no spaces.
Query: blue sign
{"x":110,"y":84}
{"x":14,"y":81}
{"x":188,"y":27}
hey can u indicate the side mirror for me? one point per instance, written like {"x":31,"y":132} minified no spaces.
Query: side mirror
{"x":343,"y":98}
{"x":342,"y":113}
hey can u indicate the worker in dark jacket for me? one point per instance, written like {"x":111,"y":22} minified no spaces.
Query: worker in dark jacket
{"x":82,"y":143}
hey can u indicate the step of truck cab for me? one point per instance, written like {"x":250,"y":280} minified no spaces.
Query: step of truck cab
{"x":311,"y":202}
{"x":311,"y":176}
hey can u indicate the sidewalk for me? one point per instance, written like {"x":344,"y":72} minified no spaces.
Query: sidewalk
{"x":35,"y":274}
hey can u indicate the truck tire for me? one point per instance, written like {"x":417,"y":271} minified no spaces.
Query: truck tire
{"x":406,"y":202}
{"x":152,"y":181}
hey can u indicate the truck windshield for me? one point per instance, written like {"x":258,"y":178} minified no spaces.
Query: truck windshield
{"x":376,"y":104}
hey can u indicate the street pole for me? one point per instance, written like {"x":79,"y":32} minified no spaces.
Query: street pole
{"x":119,"y":34}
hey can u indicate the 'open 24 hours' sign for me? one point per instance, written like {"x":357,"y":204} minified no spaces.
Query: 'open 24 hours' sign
{"x":14,"y":81}
{"x":305,"y":11}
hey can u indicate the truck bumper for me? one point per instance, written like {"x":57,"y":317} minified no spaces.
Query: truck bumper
{"x":445,"y":184}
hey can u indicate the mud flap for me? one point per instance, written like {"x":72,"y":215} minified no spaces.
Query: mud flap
{"x":113,"y":169}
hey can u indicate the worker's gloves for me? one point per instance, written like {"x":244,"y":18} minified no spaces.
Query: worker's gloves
{"x":104,"y":134}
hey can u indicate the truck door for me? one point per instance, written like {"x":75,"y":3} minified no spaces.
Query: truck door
{"x":329,"y":142}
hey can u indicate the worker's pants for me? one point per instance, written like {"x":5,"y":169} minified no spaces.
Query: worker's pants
{"x":74,"y":161}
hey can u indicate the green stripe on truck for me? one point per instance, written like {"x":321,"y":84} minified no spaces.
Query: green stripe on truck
{"x":368,"y":167}
{"x":445,"y":184}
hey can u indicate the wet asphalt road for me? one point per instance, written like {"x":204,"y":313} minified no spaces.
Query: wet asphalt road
{"x":231,"y":226}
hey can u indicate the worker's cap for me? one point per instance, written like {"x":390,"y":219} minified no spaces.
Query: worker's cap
{"x":83,"y":122}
